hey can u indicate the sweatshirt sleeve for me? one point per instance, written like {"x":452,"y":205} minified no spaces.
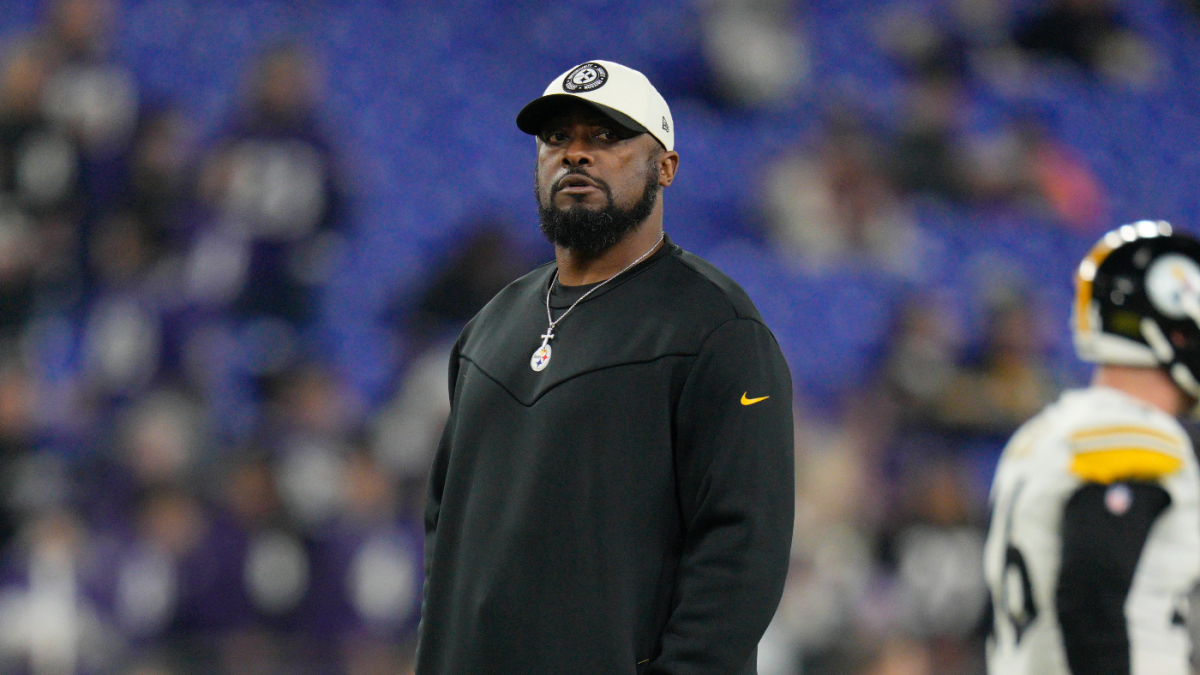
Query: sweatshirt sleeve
{"x":437,"y":479}
{"x":734,"y":455}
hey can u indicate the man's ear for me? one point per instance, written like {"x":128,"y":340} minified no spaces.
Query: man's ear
{"x":668,"y":164}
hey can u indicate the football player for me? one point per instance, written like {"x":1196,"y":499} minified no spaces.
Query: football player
{"x":1095,"y":535}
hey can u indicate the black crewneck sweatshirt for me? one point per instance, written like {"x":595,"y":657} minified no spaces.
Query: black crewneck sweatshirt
{"x":628,"y":509}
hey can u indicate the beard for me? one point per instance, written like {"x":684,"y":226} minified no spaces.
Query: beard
{"x":589,"y":231}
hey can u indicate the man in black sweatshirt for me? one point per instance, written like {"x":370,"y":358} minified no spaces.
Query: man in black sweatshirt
{"x":613,"y":492}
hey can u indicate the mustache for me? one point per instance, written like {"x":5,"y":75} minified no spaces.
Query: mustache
{"x":579,"y":171}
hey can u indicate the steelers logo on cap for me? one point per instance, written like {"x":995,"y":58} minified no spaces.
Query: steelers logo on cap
{"x":588,"y":77}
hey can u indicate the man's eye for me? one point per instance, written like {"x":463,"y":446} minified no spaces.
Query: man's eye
{"x":554,"y":137}
{"x":607,"y":135}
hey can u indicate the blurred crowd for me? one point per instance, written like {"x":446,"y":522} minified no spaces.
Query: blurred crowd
{"x":188,"y":486}
{"x":845,"y":197}
{"x":191,"y":486}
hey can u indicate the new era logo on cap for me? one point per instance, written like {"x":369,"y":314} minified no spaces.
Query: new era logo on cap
{"x":622,"y":93}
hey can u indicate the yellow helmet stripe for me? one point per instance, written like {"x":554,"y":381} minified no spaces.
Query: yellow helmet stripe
{"x":1084,"y":276}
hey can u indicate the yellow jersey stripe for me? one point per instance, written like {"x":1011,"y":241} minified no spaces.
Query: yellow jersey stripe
{"x":1107,"y":466}
{"x":1126,"y":429}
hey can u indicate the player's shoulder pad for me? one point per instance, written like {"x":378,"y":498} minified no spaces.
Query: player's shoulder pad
{"x":1114,"y":451}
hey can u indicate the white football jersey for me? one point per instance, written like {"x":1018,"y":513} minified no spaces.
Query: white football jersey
{"x":1104,"y":437}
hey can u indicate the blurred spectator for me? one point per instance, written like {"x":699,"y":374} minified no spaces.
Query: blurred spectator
{"x":40,"y":160}
{"x":158,"y":441}
{"x":48,"y":617}
{"x":477,"y":266}
{"x":835,"y":206}
{"x":29,"y":482}
{"x":123,"y":323}
{"x":938,"y":552}
{"x":1093,"y":35}
{"x":928,"y":156}
{"x":94,"y":99}
{"x":1010,"y":382}
{"x":310,"y":400}
{"x":18,"y":268}
{"x":163,"y":439}
{"x":17,"y":404}
{"x":832,"y":566}
{"x":97,"y":99}
{"x":158,"y":183}
{"x":267,"y":565}
{"x":755,"y":49}
{"x":940,"y":391}
{"x":276,"y":212}
{"x":984,"y":27}
{"x":1021,"y":164}
{"x":309,"y":419}
{"x":41,"y":200}
{"x":164,"y":569}
{"x":265,"y":235}
{"x":406,"y":430}
{"x":249,"y":495}
{"x":922,"y":364}
{"x":370,"y":561}
{"x":923,"y":47}
{"x":968,"y":42}
{"x":384,"y":580}
{"x":1063,"y":180}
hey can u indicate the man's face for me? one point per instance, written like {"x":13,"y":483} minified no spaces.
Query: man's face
{"x":594,"y":180}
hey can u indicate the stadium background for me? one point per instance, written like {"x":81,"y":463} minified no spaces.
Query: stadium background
{"x":236,"y":237}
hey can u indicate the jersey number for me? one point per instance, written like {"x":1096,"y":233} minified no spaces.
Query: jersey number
{"x":1016,"y":592}
{"x":1016,"y":589}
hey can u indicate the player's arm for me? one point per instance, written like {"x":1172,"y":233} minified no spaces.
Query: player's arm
{"x":733,"y":456}
{"x":1104,"y":528}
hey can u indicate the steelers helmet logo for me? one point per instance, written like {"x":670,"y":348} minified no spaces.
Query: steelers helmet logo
{"x":1173,"y":284}
{"x":588,"y":77}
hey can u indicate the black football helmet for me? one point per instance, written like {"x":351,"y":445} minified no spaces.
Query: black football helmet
{"x":1137,"y":302}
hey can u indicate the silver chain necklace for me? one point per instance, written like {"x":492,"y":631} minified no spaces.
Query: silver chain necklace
{"x":541,"y":356}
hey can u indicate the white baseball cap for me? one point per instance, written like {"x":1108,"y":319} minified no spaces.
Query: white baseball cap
{"x":621,"y":93}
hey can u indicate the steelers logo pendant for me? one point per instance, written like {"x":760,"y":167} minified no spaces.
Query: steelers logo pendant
{"x":541,"y":357}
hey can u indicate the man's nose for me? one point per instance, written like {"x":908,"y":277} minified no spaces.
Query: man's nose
{"x":579,"y":152}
